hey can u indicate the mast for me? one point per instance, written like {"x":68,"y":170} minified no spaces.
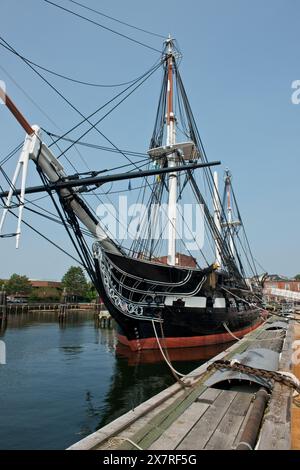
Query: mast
{"x":229,"y":210}
{"x":217,"y":217}
{"x":171,"y":140}
{"x":231,"y":225}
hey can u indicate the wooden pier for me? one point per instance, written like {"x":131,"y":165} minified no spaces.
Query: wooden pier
{"x":3,"y":309}
{"x":47,"y":307}
{"x":217,"y":407}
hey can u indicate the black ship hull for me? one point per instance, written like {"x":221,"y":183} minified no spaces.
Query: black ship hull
{"x":157,"y":305}
{"x":141,"y":335}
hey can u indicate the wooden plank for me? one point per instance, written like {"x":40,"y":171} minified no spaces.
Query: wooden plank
{"x":180,"y":428}
{"x":295,"y":417}
{"x":270,"y":339}
{"x":155,"y":425}
{"x":163,"y":421}
{"x":226,"y":432}
{"x":242,"y":427}
{"x":276,"y":428}
{"x":209,"y":395}
{"x":206,"y":426}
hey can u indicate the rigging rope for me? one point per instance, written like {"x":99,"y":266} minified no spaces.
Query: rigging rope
{"x":147,"y":75}
{"x":86,"y":119}
{"x":11,"y":154}
{"x":102,"y":26}
{"x":47,"y":239}
{"x":228,"y":257}
{"x":118,"y":21}
{"x":94,"y":126}
{"x":95,"y":146}
{"x":65,"y":77}
{"x":144,"y":77}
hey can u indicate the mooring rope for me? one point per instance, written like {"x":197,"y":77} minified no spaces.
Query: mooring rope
{"x":178,"y":374}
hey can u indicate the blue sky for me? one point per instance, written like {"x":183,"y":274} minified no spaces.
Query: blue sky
{"x":239,"y":61}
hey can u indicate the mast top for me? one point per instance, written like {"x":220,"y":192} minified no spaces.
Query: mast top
{"x":170,"y":49}
{"x":227,"y":174}
{"x":169,"y":42}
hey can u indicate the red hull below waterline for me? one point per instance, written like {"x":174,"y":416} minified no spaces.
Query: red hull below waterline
{"x":185,"y":342}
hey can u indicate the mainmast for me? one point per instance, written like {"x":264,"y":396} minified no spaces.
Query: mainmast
{"x":170,"y":141}
{"x":171,"y":152}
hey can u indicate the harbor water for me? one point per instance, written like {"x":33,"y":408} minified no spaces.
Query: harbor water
{"x":63,"y":381}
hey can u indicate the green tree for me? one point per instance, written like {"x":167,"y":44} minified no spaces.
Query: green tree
{"x":91,"y":292}
{"x":18,"y":285}
{"x":297,"y":277}
{"x":75,"y":283}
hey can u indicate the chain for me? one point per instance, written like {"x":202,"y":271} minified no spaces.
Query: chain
{"x":266,"y":374}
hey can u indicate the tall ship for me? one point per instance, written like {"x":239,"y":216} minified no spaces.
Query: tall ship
{"x":181,"y":281}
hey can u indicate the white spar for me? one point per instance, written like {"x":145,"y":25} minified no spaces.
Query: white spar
{"x":22,"y":167}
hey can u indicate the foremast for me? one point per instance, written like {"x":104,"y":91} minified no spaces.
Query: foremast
{"x":230,"y":226}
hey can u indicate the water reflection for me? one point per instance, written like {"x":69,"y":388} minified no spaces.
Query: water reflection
{"x":107,"y":338}
{"x":3,"y":324}
{"x":71,"y":350}
{"x":201,"y":354}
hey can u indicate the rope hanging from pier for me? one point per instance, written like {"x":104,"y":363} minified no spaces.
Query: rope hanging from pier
{"x":177,"y":375}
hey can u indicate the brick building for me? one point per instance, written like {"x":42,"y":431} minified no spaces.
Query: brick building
{"x":180,"y":260}
{"x":286,"y":284}
{"x":282,"y":290}
{"x":46,"y":289}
